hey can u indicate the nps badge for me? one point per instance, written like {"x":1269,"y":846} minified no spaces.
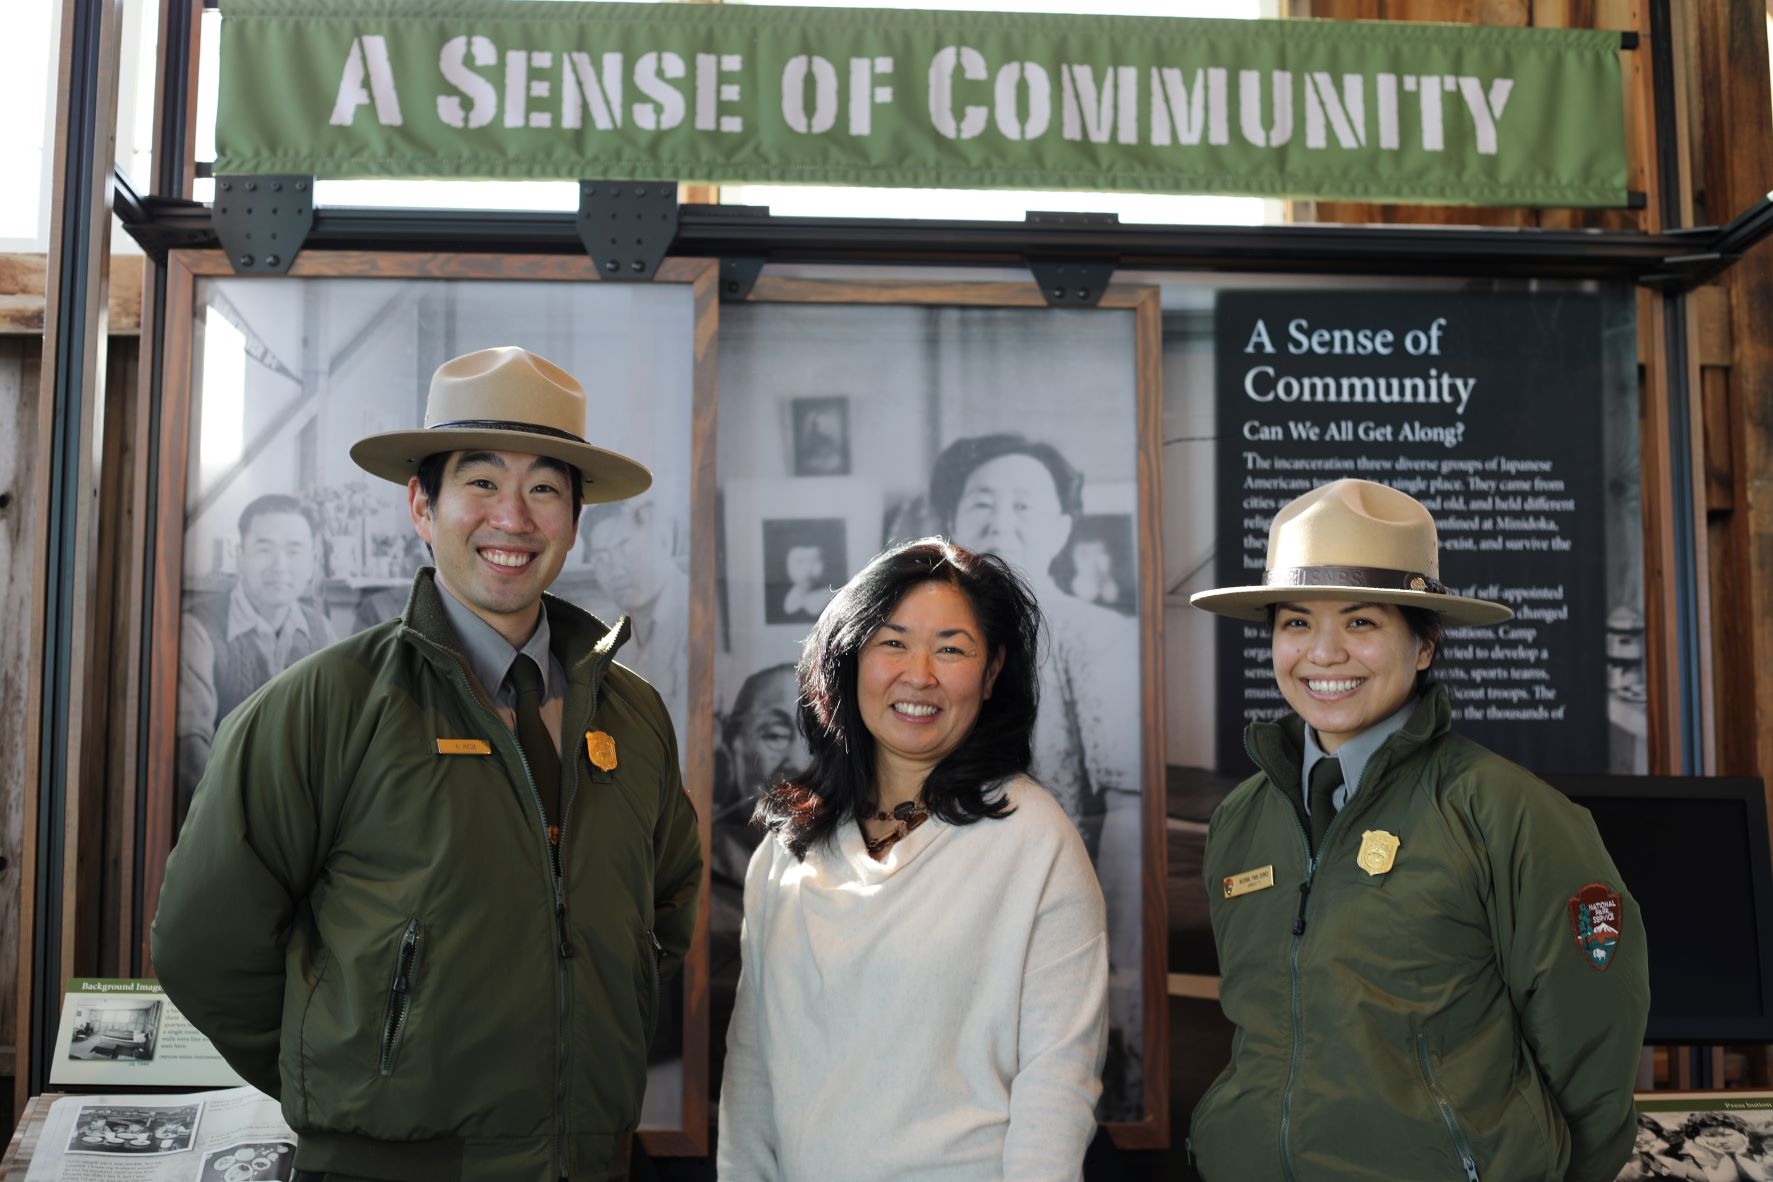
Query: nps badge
{"x":1378,"y":851}
{"x":602,"y":750}
{"x":1594,"y":920}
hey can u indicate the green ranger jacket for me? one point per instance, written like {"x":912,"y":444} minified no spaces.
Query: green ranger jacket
{"x":1454,"y":988}
{"x":363,"y":912}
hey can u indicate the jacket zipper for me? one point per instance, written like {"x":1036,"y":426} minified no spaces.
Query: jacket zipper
{"x":399,"y":996}
{"x":569,"y":790}
{"x":1311,"y":861}
{"x":656,"y":953}
{"x":1460,"y":1145}
{"x":563,"y":950}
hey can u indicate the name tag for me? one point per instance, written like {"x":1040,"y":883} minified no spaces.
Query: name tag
{"x":463,"y":747}
{"x":1249,"y":881}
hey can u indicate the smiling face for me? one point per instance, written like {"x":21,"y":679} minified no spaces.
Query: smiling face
{"x":1722,"y":1139}
{"x":1343,"y":667}
{"x":921,"y":680}
{"x":499,"y":531}
{"x":276,"y":561}
{"x":1648,"y":1141}
{"x":1010,"y":508}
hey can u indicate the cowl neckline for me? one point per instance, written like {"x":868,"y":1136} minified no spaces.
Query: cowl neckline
{"x":850,"y":852}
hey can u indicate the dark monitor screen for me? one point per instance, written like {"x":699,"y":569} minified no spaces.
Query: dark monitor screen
{"x":1694,"y":853}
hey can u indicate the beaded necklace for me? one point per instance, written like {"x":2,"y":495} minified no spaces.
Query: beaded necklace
{"x":906,"y":816}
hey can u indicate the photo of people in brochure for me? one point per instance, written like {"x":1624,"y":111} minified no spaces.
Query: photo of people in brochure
{"x":134,"y":1130}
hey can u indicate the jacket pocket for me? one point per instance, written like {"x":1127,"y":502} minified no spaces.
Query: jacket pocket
{"x":400,"y":987}
{"x":1456,"y":1134}
{"x":653,"y":953}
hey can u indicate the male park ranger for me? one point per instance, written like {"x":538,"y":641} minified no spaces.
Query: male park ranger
{"x":434,"y":872}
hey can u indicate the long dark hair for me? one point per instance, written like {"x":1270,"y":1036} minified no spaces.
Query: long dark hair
{"x":838,"y":785}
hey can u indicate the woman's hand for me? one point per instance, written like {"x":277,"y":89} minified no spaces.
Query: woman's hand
{"x":1673,"y":1167}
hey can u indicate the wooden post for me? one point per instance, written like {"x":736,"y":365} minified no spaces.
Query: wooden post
{"x":1732,"y":163}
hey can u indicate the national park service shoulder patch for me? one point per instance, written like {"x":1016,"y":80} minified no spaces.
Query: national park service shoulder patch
{"x":1594,"y":921}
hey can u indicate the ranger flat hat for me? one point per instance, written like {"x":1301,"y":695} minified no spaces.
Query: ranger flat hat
{"x":505,"y":399}
{"x":1352,"y":540}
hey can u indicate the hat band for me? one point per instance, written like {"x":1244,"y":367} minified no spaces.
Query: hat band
{"x":1377,"y":578}
{"x":504,"y":425}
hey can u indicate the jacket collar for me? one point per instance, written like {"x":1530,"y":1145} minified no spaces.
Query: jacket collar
{"x":1278,"y":748}
{"x":584,"y":644}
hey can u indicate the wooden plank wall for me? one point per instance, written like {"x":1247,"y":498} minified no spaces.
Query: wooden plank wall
{"x":24,"y":278}
{"x":1732,"y":161}
{"x":19,"y":378}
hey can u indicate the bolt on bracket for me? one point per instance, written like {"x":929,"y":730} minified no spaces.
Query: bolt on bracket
{"x":627,"y":227}
{"x":262,"y":221}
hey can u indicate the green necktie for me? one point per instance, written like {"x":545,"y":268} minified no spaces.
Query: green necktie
{"x":533,"y":737}
{"x":1326,"y":777}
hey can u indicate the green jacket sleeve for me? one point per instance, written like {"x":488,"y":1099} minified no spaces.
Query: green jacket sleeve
{"x":677,"y":861}
{"x":236,"y":878}
{"x":1582,"y":1014}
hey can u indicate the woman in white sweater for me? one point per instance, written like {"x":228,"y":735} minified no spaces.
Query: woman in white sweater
{"x":925,"y":963}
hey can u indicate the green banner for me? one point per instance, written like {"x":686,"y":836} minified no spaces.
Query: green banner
{"x":1328,"y":109}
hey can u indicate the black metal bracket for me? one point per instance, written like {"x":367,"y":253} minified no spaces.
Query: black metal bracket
{"x":737,"y":277}
{"x":160,"y":224}
{"x":262,"y":221}
{"x":1071,"y":283}
{"x":627,"y":227}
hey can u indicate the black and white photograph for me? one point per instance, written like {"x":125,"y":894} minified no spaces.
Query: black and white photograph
{"x":632,"y":560}
{"x":786,"y":544}
{"x":1703,"y":1138}
{"x":1012,"y":432}
{"x":821,"y":436}
{"x":1097,"y":563}
{"x":287,"y":545}
{"x":250,"y":1161}
{"x":135,"y":1130}
{"x":120,"y":1028}
{"x":799,"y":557}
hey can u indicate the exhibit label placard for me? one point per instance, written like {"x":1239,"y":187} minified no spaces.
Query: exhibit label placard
{"x":124,"y":1032}
{"x":1369,"y":111}
{"x":1484,"y":407}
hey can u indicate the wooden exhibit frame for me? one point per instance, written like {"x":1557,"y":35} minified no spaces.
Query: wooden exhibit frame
{"x":184,"y":269}
{"x":1143,"y":302}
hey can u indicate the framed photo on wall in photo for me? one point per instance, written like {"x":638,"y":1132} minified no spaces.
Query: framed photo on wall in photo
{"x":799,"y":555}
{"x":821,"y":436}
{"x":967,"y":398}
{"x":276,"y":544}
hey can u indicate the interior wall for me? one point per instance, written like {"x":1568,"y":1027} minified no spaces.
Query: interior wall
{"x":19,"y":373}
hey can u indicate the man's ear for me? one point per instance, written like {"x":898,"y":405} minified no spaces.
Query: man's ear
{"x":418,"y":508}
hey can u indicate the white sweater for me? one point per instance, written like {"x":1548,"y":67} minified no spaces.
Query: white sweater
{"x":939,"y":1015}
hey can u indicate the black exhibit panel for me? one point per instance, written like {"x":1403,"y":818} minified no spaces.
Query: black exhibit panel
{"x":1694,"y":853}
